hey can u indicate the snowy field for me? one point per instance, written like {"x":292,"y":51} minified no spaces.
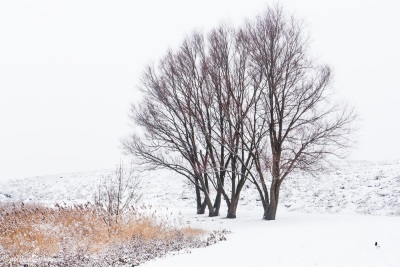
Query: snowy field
{"x":331,"y":219}
{"x":298,"y":239}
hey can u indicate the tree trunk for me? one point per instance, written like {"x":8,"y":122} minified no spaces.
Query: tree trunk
{"x":270,"y":210}
{"x":203,"y":207}
{"x":217,"y":202}
{"x":200,"y":210}
{"x":232,"y":209}
{"x":211,"y":210}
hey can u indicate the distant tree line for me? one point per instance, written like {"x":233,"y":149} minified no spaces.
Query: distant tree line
{"x":236,"y":106}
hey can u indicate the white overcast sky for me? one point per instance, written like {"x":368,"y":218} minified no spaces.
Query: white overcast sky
{"x":69,"y":71}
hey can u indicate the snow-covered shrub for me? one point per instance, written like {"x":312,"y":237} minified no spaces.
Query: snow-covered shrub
{"x":117,"y":192}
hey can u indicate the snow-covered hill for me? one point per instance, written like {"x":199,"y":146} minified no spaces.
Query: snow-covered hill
{"x":350,"y":187}
{"x":353,"y":191}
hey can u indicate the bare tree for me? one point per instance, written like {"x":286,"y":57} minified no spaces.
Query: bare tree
{"x":242,"y":104}
{"x":117,"y":192}
{"x":303,"y":126}
{"x":167,"y":115}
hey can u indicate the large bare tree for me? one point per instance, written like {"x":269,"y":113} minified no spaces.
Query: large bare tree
{"x":239,"y":105}
{"x":303,"y":126}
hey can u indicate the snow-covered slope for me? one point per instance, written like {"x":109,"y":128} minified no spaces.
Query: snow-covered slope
{"x":351,"y":187}
{"x":354,"y":186}
{"x":353,"y":191}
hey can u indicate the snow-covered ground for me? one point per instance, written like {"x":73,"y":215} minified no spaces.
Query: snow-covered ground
{"x":298,"y":239}
{"x":331,"y":219}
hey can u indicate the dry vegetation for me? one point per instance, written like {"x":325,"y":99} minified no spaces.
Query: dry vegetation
{"x":79,"y":236}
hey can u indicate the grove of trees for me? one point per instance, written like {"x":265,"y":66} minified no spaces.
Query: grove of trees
{"x":236,"y":106}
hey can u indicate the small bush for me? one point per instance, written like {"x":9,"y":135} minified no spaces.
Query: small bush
{"x":117,"y":192}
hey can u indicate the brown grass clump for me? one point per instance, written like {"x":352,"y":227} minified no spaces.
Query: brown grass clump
{"x":27,"y":230}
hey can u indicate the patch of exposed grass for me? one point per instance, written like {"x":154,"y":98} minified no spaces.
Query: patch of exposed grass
{"x":82,"y":231}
